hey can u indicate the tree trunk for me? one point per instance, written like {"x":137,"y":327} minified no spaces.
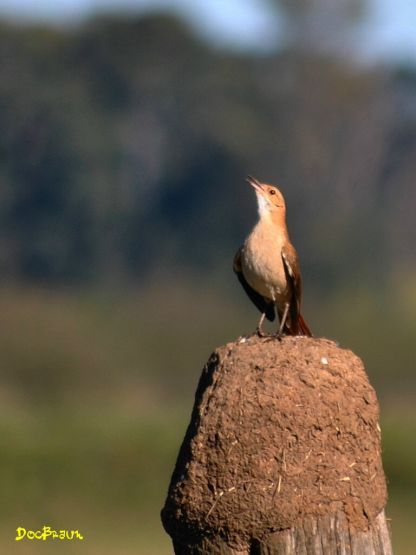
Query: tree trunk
{"x":282,"y":455}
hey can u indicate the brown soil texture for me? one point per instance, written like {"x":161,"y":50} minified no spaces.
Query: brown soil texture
{"x":280,"y":431}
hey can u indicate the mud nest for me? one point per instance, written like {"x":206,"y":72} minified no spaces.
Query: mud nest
{"x":280,"y":431}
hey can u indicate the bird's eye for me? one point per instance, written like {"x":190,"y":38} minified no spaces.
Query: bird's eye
{"x":272,"y":192}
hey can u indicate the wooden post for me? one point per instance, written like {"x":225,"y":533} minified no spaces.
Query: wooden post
{"x":282,"y":455}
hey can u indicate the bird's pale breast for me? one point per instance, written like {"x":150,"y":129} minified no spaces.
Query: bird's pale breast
{"x":261,"y":261}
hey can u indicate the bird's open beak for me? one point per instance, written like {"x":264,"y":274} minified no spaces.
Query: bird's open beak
{"x":255,"y":183}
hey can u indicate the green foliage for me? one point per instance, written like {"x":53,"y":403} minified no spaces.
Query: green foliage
{"x":125,"y":143}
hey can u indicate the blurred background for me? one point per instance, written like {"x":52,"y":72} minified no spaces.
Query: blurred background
{"x":126,"y":132}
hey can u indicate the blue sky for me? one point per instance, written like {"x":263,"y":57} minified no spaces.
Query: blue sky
{"x":390,"y":32}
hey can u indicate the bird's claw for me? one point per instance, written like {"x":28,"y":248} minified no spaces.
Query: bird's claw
{"x":260,"y":332}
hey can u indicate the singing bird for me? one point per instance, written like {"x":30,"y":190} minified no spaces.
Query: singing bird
{"x":267,"y":264}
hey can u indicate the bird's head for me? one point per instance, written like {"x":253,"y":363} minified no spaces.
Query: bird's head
{"x":269,"y":198}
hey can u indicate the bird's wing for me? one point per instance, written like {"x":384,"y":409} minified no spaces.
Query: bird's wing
{"x":292,"y":271}
{"x":265,"y":306}
{"x":297,"y":324}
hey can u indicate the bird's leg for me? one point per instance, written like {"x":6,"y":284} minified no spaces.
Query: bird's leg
{"x":283,"y":320}
{"x":259,"y":329}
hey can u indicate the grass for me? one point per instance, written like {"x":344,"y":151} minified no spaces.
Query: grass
{"x":399,"y":460}
{"x":96,"y":392}
{"x":106,"y":474}
{"x":102,"y":472}
{"x":401,"y":509}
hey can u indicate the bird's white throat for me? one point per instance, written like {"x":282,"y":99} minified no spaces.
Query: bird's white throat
{"x":262,"y":206}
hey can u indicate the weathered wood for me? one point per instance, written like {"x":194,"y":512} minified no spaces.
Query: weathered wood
{"x":328,"y":535}
{"x":213,"y":546}
{"x":282,"y":455}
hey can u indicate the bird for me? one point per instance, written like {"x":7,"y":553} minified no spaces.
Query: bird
{"x":267,"y":265}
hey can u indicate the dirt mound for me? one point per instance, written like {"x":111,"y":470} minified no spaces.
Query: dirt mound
{"x":281,"y":431}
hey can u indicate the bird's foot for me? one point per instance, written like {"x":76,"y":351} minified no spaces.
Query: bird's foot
{"x":263,"y":335}
{"x":260,"y":333}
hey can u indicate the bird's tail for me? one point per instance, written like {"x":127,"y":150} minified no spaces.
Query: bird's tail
{"x":297,"y":326}
{"x":303,"y":327}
